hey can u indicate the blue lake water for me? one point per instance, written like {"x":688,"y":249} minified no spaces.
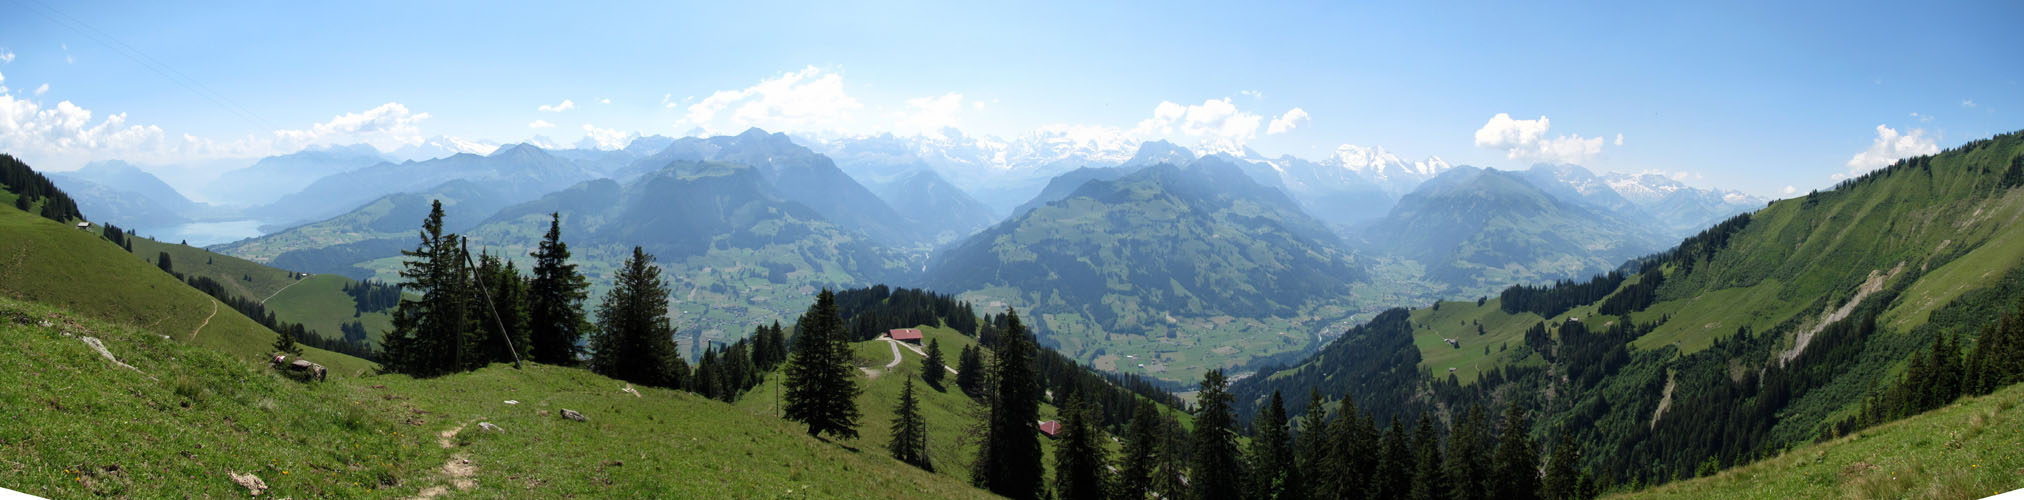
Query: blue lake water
{"x":203,"y":234}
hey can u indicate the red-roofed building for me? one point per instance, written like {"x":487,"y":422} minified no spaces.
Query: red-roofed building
{"x":1051,"y":428}
{"x":905,"y":335}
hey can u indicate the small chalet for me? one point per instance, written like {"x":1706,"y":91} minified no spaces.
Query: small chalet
{"x":1051,"y":428}
{"x":909,"y":335}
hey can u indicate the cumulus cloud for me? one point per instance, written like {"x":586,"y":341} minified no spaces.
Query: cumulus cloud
{"x":1216,"y":124}
{"x":1967,"y":103}
{"x":928,"y":116}
{"x":1253,"y":93}
{"x":66,"y":130}
{"x":1287,"y":121}
{"x":604,"y":100}
{"x":6,"y":56}
{"x":387,"y":126}
{"x":808,"y":100}
{"x":565,"y":106}
{"x":540,"y":124}
{"x":1888,"y":147}
{"x":1619,"y":139}
{"x":1527,"y":140}
{"x":1790,"y":190}
{"x":604,"y":138}
{"x":44,"y":89}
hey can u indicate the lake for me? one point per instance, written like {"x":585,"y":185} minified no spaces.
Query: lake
{"x":202,"y":234}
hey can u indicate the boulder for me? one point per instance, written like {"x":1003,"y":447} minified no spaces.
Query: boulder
{"x":249,"y":481}
{"x":573,"y":415}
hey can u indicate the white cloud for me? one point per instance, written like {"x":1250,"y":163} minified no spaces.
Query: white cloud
{"x":1527,"y":140}
{"x":540,"y":124}
{"x":44,"y":89}
{"x":667,"y":101}
{"x":1922,"y":118}
{"x":806,"y":100}
{"x":1967,"y":103}
{"x":1789,"y":190}
{"x":1287,"y":121}
{"x":6,"y":56}
{"x":604,"y":138}
{"x":604,"y":100}
{"x":1253,"y":93}
{"x":388,"y":126}
{"x":927,"y":116}
{"x":565,"y":106}
{"x":66,"y":131}
{"x":1889,"y":146}
{"x":1217,"y":125}
{"x":1619,"y":139}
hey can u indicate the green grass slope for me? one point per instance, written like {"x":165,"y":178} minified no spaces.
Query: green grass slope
{"x":1970,"y":449}
{"x":185,"y":417}
{"x":56,"y":264}
{"x":319,"y":303}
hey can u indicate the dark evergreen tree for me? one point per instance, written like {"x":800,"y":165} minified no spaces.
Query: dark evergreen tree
{"x":1314,"y":443}
{"x":284,"y":342}
{"x":1141,"y":452}
{"x":1079,"y":456}
{"x":932,"y":367}
{"x":706,"y":382}
{"x":1394,"y":475}
{"x":1217,"y":471}
{"x":1354,"y":456}
{"x":909,"y":443}
{"x":555,"y":296}
{"x":430,"y":334}
{"x":634,"y":341}
{"x":163,"y":261}
{"x":1515,"y":466}
{"x":1562,"y":479}
{"x":504,"y":312}
{"x":1273,"y":471}
{"x":970,"y":371}
{"x":1468,"y":456}
{"x":1430,"y":479}
{"x":820,"y":389}
{"x":1011,"y":458}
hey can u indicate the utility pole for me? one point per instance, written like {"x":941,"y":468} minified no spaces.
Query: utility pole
{"x":487,"y":294}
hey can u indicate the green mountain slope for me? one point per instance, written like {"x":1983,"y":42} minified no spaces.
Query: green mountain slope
{"x":376,"y":230}
{"x":1479,"y":230}
{"x":941,"y":208}
{"x":186,"y":417}
{"x":1185,"y":268}
{"x":1767,"y":331}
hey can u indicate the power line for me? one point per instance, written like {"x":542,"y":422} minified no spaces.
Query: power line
{"x":146,"y":61}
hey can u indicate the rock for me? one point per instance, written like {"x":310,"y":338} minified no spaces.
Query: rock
{"x":488,"y":427}
{"x":573,"y":415}
{"x":249,"y":481}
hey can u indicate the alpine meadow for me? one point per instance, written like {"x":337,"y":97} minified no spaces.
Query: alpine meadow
{"x":1055,"y":250}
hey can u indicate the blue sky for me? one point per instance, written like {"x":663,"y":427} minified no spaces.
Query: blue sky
{"x":1739,"y":95}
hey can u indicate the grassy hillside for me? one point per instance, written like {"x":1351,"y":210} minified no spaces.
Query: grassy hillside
{"x":185,"y":417}
{"x":56,"y":264}
{"x":1970,"y":449}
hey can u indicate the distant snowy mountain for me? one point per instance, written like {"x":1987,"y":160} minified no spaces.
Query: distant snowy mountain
{"x":442,"y":147}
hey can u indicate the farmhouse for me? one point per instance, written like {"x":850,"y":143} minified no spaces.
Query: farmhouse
{"x":908,"y":335}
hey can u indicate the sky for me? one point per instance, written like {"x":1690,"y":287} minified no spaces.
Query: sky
{"x":1770,"y":98}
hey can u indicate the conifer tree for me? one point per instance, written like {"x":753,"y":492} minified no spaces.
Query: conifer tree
{"x":1217,"y":471}
{"x":1430,"y":480}
{"x":1562,"y":479}
{"x":1078,"y":456}
{"x":970,"y":371}
{"x":430,"y":333}
{"x":1011,"y":458}
{"x":1468,"y":456}
{"x":1314,"y":442}
{"x":634,"y":341}
{"x":1141,"y":446}
{"x":820,"y":388}
{"x":1354,"y":455}
{"x":1273,"y":473}
{"x":931,"y":368}
{"x":706,"y":381}
{"x":285,"y":343}
{"x":555,"y":298}
{"x":1515,"y":467}
{"x":909,"y":443}
{"x":506,"y":294}
{"x":163,"y":261}
{"x":1173,"y":459}
{"x":1394,"y":475}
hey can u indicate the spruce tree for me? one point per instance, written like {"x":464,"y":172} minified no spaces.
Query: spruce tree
{"x":1314,"y":442}
{"x":1011,"y":458}
{"x":707,"y":381}
{"x":555,"y":298}
{"x":505,"y":313}
{"x":909,"y":442}
{"x":1430,"y":480}
{"x":1394,"y":475}
{"x":634,"y":340}
{"x":1468,"y":456}
{"x":1562,"y":479}
{"x":970,"y":371}
{"x":1515,"y":469}
{"x":1079,"y":457}
{"x":820,"y":389}
{"x":1354,"y":456}
{"x":429,"y":333}
{"x":163,"y":261}
{"x":285,"y":343}
{"x":1141,"y":448}
{"x":931,"y":368}
{"x":1273,"y":472}
{"x":1217,"y":472}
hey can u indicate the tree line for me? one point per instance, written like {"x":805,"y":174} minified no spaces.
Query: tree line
{"x":34,"y":193}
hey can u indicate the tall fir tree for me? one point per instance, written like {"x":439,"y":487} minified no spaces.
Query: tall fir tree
{"x":909,"y":442}
{"x":1354,"y":456}
{"x":555,"y":296}
{"x":1273,"y":472}
{"x":1515,"y":466}
{"x":820,"y":389}
{"x":1079,"y":456}
{"x":1141,"y":449}
{"x":707,"y":381}
{"x":430,"y":335}
{"x":1011,"y":458}
{"x":506,"y":292}
{"x":1562,"y":478}
{"x":1394,"y":475}
{"x":1217,"y":471}
{"x":932,"y":367}
{"x":284,"y":342}
{"x":634,"y":341}
{"x":1469,"y":456}
{"x":970,"y":371}
{"x":1430,"y":479}
{"x":1313,"y":443}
